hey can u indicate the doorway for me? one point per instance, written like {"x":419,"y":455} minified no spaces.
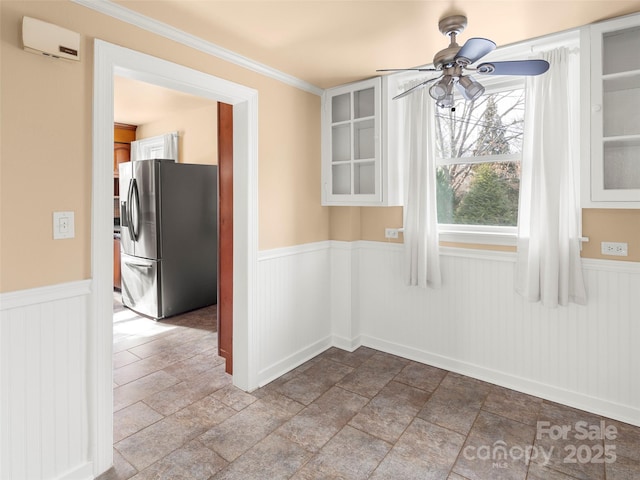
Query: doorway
{"x":110,"y":60}
{"x":203,"y":128}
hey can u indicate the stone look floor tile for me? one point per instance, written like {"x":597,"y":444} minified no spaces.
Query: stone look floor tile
{"x":495,"y":448}
{"x":456,"y":403}
{"x":240,"y":432}
{"x":341,"y":415}
{"x":351,"y":454}
{"x":234,"y":397}
{"x":182,"y":394}
{"x":192,"y":461}
{"x":137,"y":390}
{"x":314,"y":426}
{"x":540,"y":472}
{"x":623,"y":468}
{"x":369,"y":378}
{"x":353,"y":359}
{"x":133,"y":418}
{"x":514,"y":405}
{"x":561,"y":459}
{"x":120,"y":359}
{"x":421,"y":376}
{"x":627,"y":441}
{"x":272,"y":458}
{"x":390,"y":412}
{"x":424,"y":451}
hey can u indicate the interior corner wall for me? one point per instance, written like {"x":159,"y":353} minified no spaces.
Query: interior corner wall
{"x":476,"y":325}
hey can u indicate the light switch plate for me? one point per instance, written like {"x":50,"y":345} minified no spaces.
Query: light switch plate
{"x":63,"y":225}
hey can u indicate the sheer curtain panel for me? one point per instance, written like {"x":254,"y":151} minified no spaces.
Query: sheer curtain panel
{"x":548,"y":267}
{"x":422,"y":262}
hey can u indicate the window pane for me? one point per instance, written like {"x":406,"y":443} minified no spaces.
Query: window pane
{"x":473,"y":191}
{"x":478,"y":193}
{"x":491,"y":125}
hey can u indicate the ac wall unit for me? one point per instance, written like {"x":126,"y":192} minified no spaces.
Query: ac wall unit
{"x":48,"y":39}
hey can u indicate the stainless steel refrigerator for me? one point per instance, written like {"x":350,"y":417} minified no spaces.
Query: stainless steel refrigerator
{"x":169,"y":237}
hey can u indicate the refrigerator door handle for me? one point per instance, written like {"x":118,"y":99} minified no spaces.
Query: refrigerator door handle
{"x":134,"y":210}
{"x":138,"y":265}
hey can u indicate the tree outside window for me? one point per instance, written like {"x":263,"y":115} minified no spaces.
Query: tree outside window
{"x":479,"y":144}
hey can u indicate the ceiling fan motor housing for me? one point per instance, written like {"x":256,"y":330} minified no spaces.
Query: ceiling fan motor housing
{"x":450,"y":26}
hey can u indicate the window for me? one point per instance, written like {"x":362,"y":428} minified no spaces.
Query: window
{"x":479,"y":148}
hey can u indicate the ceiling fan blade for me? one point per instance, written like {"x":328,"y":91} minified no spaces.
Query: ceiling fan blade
{"x":474,"y":49}
{"x":415,"y":87}
{"x":515,"y":67}
{"x":406,"y":70}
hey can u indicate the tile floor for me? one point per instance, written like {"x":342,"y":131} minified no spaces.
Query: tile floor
{"x":359,"y":415}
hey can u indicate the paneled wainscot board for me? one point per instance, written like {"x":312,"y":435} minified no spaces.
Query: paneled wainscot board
{"x":294,"y":307}
{"x":348,"y":294}
{"x":43,"y":383}
{"x":583,"y":356}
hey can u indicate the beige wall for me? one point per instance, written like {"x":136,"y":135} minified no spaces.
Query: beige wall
{"x":600,"y":225}
{"x":197,"y":130}
{"x":45,"y":148}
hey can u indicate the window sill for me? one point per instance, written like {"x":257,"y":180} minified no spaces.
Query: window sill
{"x":479,"y":238}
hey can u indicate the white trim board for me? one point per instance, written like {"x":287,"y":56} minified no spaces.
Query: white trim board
{"x":109,"y":60}
{"x":107,"y":7}
{"x":50,"y":293}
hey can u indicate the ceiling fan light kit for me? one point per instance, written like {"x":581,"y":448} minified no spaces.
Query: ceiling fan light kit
{"x":454,"y":60}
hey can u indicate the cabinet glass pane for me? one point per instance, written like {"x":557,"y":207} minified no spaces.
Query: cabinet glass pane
{"x":364,"y":145}
{"x":620,"y":51}
{"x":341,"y":179}
{"x":341,"y":143}
{"x":363,"y":103}
{"x":341,"y":108}
{"x":364,"y":178}
{"x":621,"y":107}
{"x":622,"y":166}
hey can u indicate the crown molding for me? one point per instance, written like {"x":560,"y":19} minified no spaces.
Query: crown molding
{"x":107,"y":7}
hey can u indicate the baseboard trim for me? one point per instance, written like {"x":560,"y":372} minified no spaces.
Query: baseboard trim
{"x":287,"y":364}
{"x":81,"y":472}
{"x":345,"y":344}
{"x":623,"y":413}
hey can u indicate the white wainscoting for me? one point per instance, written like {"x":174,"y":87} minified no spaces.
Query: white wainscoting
{"x":294,"y":307}
{"x":43,"y":383}
{"x":582,"y":356}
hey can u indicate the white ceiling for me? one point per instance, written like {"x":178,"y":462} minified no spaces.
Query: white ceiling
{"x":331,"y":42}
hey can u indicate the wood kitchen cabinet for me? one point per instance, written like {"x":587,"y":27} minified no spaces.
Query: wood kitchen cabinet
{"x":123,"y":135}
{"x":117,"y":277}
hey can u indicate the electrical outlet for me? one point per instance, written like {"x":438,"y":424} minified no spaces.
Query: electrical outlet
{"x":618,"y":249}
{"x":390,"y":233}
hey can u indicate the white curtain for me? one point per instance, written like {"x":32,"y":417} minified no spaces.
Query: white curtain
{"x":422,"y":261}
{"x":160,"y":146}
{"x":548,"y":266}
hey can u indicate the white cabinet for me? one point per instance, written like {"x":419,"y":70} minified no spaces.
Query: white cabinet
{"x":614,"y":110}
{"x":357,"y":168}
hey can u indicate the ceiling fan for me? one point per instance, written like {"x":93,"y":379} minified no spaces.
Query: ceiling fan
{"x":454,"y":60}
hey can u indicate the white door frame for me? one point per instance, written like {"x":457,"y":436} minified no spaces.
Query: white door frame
{"x":113,"y":60}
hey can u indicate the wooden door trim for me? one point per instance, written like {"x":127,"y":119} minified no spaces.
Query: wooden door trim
{"x":225,"y":234}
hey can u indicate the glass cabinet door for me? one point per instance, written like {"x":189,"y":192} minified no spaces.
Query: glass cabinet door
{"x":354,"y":142}
{"x":615,"y":85}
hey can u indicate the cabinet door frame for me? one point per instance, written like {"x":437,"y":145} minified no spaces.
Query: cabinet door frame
{"x":351,"y":199}
{"x":595,"y":195}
